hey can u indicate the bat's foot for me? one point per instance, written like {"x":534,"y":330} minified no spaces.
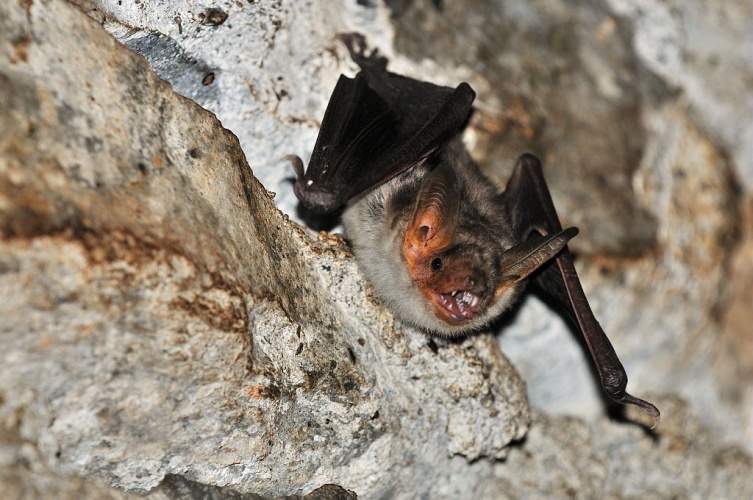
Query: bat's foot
{"x":647,"y":407}
{"x":356,"y":45}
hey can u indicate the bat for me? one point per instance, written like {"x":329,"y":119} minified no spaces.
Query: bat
{"x":443,"y":248}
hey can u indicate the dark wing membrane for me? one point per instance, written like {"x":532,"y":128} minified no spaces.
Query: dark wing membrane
{"x":376,"y":127}
{"x":530,"y":206}
{"x":430,"y":116}
{"x":357,"y":124}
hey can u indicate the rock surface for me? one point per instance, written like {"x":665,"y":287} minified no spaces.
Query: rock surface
{"x":152,"y":293}
{"x":166,"y":329}
{"x":623,"y":100}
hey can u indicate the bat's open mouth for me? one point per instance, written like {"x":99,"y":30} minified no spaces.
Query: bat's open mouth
{"x":457,"y":306}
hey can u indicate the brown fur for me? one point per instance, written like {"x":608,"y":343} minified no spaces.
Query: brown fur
{"x":376,"y":224}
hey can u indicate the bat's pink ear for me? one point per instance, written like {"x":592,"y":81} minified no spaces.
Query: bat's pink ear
{"x":520,"y":261}
{"x":435,"y":217}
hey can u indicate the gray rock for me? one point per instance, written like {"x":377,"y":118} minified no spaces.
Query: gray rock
{"x":622,"y":102}
{"x":161,"y":316}
{"x":564,"y":458}
{"x":166,"y":330}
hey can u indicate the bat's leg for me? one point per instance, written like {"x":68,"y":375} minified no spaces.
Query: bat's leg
{"x":530,"y":205}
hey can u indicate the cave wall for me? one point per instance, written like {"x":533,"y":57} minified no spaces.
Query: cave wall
{"x":166,"y":320}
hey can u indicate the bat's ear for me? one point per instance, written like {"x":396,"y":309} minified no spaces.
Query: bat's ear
{"x":520,"y":261}
{"x":435,"y":217}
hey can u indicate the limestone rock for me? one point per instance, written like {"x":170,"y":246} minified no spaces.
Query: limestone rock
{"x":166,"y":330}
{"x":161,"y":316}
{"x":642,"y":113}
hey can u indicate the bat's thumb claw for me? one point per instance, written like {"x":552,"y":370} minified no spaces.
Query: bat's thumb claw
{"x":297,"y":165}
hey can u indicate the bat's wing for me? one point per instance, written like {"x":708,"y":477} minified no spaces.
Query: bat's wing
{"x":530,"y":205}
{"x":376,"y":126}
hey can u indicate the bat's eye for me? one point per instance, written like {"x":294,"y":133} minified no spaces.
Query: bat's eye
{"x":436,"y":264}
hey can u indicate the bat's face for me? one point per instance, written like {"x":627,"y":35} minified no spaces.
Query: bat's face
{"x":454,"y":267}
{"x":456,"y":287}
{"x":465,"y":271}
{"x":465,"y":283}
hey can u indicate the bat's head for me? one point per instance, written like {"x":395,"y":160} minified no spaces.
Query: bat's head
{"x":465,"y":272}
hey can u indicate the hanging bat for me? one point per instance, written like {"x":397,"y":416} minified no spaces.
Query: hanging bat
{"x":442,"y":247}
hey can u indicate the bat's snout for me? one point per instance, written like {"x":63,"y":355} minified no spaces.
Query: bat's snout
{"x":456,"y":307}
{"x":457,"y":294}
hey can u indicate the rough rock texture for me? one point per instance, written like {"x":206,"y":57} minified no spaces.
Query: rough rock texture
{"x":165,"y":329}
{"x":161,"y":316}
{"x":642,"y":113}
{"x":565,"y":458}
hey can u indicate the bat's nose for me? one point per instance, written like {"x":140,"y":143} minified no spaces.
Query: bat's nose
{"x":475,"y":282}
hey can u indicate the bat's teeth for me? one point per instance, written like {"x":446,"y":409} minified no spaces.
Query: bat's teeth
{"x":461,"y":305}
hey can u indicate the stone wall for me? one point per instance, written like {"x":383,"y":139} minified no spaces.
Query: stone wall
{"x":168,"y":327}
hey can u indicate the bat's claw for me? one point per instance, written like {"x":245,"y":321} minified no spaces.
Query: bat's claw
{"x":312,"y":195}
{"x":647,"y":407}
{"x":297,"y":165}
{"x":356,"y":45}
{"x":298,"y":186}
